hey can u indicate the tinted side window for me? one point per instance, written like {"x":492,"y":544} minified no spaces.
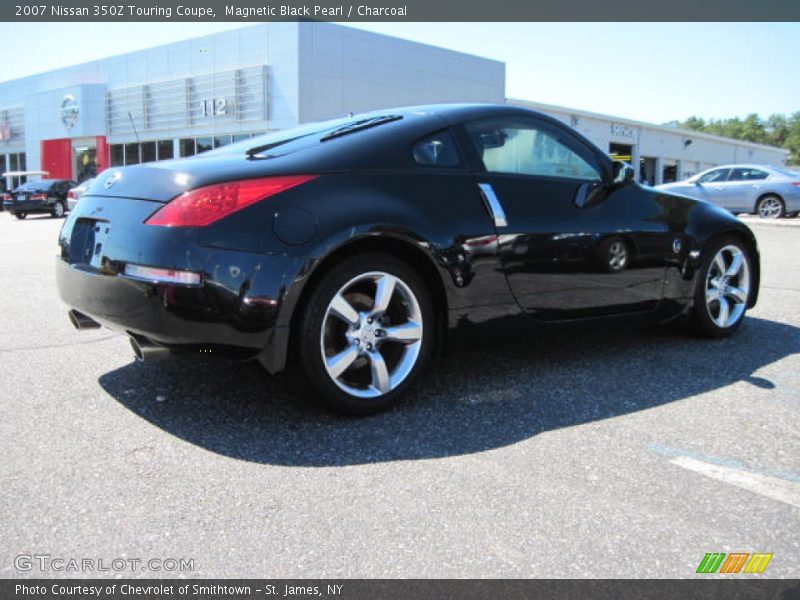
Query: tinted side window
{"x":509,"y":146}
{"x":748,"y":175}
{"x":717,"y":175}
{"x":438,"y":150}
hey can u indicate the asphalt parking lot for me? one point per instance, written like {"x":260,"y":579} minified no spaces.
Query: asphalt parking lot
{"x":610,"y":454}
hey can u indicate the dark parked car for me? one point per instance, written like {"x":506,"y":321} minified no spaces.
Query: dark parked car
{"x":40,"y":196}
{"x":353,"y":249}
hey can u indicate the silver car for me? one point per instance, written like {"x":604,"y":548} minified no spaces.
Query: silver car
{"x":769,"y":192}
{"x":75,"y":193}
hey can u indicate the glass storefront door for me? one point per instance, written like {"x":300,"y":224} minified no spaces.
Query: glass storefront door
{"x":84,"y":160}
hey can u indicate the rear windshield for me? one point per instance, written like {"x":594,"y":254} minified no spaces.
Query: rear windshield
{"x":41,"y":184}
{"x":287,"y":141}
{"x":787,"y":171}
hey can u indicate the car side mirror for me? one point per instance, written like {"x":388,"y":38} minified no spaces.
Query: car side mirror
{"x":590,"y":194}
{"x":623,"y":173}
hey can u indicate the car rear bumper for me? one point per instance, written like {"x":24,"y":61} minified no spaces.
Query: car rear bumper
{"x":212,"y":317}
{"x":29,"y":206}
{"x":792,"y":203}
{"x":240,"y":307}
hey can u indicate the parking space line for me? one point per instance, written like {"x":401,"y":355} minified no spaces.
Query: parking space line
{"x":774,"y":488}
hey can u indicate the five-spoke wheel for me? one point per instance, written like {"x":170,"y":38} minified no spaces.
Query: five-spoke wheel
{"x":723,"y":288}
{"x":770,"y":207}
{"x":371,"y":319}
{"x":372,"y":334}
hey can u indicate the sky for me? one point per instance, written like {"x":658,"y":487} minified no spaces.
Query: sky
{"x":655,"y":72}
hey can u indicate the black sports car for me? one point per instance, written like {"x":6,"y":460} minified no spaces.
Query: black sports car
{"x":40,"y":196}
{"x":353,"y":249}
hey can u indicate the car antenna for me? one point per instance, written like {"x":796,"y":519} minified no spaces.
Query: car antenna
{"x":130,"y":116}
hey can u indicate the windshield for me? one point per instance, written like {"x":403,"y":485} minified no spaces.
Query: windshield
{"x":287,"y":141}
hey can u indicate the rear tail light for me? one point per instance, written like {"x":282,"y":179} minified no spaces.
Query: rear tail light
{"x":6,"y":196}
{"x":205,"y":205}
{"x":38,"y":196}
{"x":72,"y":195}
{"x":796,"y":183}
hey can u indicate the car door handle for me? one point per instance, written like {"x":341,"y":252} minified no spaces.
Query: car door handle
{"x":718,"y":188}
{"x":493,"y":204}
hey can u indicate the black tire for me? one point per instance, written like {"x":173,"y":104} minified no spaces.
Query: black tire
{"x":59,"y":210}
{"x":613,"y":255}
{"x":773,"y":201}
{"x":309,"y":345}
{"x":703,"y":324}
{"x":20,"y":215}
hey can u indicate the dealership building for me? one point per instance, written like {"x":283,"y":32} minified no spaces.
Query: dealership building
{"x":190,"y":96}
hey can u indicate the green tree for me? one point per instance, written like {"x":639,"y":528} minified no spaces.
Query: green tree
{"x":777,"y":130}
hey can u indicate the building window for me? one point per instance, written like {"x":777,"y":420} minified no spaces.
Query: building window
{"x":131,"y":154}
{"x":17,"y":162}
{"x":240,"y":137}
{"x":166,"y":150}
{"x":187,"y":147}
{"x":147,"y":151}
{"x":117,"y":152}
{"x":222,"y":140}
{"x":204,"y":144}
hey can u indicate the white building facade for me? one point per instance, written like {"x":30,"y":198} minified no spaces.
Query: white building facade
{"x":183,"y":98}
{"x":187,"y":97}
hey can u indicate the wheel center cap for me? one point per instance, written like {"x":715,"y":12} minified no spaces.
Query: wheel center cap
{"x":367,"y":334}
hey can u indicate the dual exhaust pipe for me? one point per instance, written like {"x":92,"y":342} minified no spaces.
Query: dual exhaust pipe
{"x":143,"y":349}
{"x":81,"y":322}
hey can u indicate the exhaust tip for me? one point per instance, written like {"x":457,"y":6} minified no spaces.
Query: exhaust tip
{"x":80,"y":321}
{"x":144,"y":349}
{"x":137,"y":350}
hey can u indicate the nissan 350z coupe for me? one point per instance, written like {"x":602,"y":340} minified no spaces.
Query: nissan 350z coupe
{"x":353,"y":249}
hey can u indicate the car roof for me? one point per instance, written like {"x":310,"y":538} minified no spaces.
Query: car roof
{"x":457,"y":112}
{"x":745,"y":166}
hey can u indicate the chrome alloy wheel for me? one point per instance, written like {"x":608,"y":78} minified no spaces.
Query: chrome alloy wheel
{"x":727,"y":286}
{"x":371,"y":334}
{"x":617,"y":256}
{"x":770,"y":208}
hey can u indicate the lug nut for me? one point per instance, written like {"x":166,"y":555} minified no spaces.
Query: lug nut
{"x":369,"y":346}
{"x":369,"y":319}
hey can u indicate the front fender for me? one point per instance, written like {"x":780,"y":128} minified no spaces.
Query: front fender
{"x":705,"y":224}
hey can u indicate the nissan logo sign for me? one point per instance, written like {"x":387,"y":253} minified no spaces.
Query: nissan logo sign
{"x":69,"y":111}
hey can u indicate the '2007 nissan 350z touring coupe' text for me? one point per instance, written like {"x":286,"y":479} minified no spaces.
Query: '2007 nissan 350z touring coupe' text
{"x":351,"y":249}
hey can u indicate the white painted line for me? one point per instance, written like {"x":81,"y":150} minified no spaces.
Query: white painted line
{"x":781,"y":490}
